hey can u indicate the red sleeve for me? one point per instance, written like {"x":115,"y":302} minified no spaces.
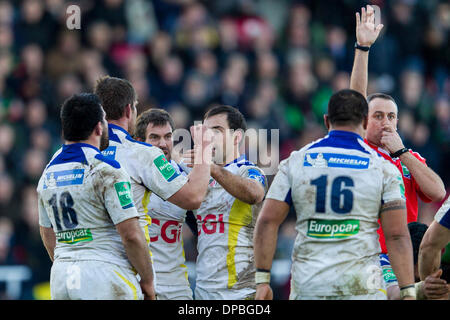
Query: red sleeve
{"x":421,"y":195}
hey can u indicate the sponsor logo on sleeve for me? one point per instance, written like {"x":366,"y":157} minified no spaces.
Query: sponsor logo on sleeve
{"x":165,"y":168}
{"x":123,"y":190}
{"x":110,"y":152}
{"x":256,"y":175}
{"x":402,"y":187}
{"x":405,"y":171}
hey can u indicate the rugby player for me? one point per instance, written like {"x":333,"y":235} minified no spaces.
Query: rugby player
{"x":149,"y":170}
{"x":339,"y":187}
{"x":435,"y":239}
{"x":226,"y":219}
{"x":155,"y":127}
{"x":88,"y":222}
{"x":419,"y":180}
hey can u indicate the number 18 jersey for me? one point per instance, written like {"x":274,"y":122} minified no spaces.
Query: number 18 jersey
{"x":337,"y":186}
{"x":82,"y":196}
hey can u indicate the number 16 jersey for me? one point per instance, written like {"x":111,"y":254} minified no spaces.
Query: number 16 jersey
{"x":337,"y":186}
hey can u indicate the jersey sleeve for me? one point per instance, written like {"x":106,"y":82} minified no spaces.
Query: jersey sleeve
{"x":44,"y":220}
{"x":393,"y":187}
{"x":280,"y":188}
{"x":118,"y":197}
{"x":443,"y":215}
{"x":161,"y":178}
{"x":421,"y":195}
{"x":254,"y":173}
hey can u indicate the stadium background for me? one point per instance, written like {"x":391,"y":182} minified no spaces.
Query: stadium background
{"x":277,"y":61}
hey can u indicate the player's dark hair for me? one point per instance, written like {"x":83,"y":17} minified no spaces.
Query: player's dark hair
{"x":416,"y":231}
{"x":384,"y":96}
{"x":157,"y":117}
{"x":79,"y":115}
{"x":235,"y":118}
{"x":115,"y":94}
{"x":347,"y":107}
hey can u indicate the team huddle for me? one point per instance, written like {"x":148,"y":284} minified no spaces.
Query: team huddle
{"x":113,"y":201}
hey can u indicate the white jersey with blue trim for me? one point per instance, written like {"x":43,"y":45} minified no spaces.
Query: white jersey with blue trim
{"x":225,"y":235}
{"x":166,"y":239}
{"x":337,"y":186}
{"x":82,"y":196}
{"x":443,"y":215}
{"x":148,"y":168}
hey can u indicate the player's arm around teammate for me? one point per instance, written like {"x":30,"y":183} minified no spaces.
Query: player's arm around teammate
{"x":436,"y":237}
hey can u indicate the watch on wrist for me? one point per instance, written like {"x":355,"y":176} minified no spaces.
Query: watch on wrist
{"x":398,"y":153}
{"x":363,"y":48}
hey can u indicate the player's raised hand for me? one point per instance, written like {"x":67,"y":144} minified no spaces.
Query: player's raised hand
{"x":201,"y":135}
{"x":263,"y":292}
{"x":188,"y":158}
{"x":366,"y":30}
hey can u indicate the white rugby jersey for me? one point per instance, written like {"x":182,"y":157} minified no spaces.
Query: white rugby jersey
{"x":166,"y":239}
{"x":337,"y":186}
{"x":148,"y":169}
{"x":443,"y":215}
{"x":225,"y":235}
{"x":82,"y":196}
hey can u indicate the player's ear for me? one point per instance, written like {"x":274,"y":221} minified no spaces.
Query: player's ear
{"x":98,"y":129}
{"x":239,"y":135}
{"x":365,"y":122}
{"x":128,"y":111}
{"x":326,"y":121}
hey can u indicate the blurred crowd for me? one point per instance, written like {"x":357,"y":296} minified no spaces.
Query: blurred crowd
{"x":278,"y":62}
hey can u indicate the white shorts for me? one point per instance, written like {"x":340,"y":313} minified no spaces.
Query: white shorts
{"x":93,"y":280}
{"x":380,"y":295}
{"x":173,"y":293}
{"x":225,"y":294}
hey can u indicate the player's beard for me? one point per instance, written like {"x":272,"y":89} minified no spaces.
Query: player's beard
{"x":104,"y":139}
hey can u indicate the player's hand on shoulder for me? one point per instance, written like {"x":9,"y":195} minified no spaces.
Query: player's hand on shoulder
{"x":263,"y":292}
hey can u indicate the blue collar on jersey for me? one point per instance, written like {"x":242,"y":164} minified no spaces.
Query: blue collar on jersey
{"x":341,"y":139}
{"x":344,"y":134}
{"x":242,"y":157}
{"x":112,"y":135}
{"x":72,"y":153}
{"x":115,"y":137}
